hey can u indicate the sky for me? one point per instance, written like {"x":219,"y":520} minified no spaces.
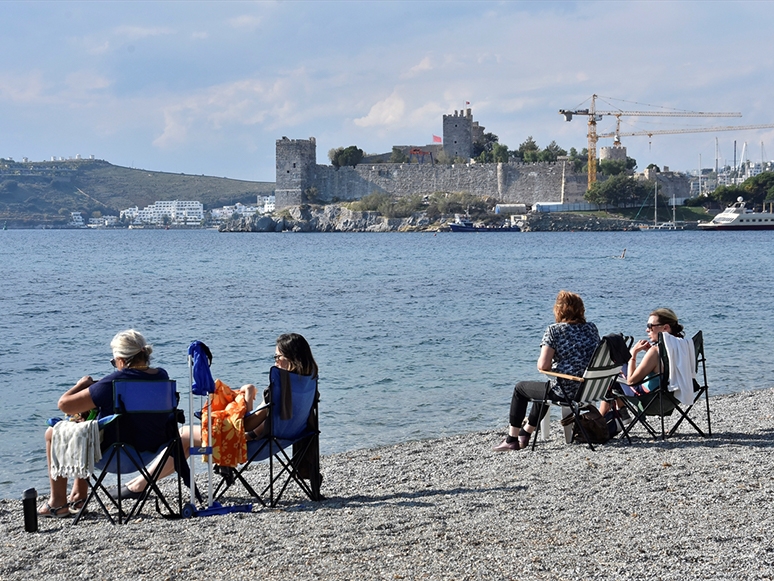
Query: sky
{"x":208,"y":87}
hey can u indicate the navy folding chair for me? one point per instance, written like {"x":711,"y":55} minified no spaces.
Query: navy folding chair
{"x":145,"y":412}
{"x":292,"y":423}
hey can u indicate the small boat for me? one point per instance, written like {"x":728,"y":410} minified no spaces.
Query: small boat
{"x":673,"y":225}
{"x":465,"y":224}
{"x":738,"y":217}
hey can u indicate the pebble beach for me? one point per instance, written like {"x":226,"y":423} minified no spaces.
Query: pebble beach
{"x":687,"y":508}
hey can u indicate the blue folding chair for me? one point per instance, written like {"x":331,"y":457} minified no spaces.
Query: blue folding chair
{"x":292,"y":423}
{"x":145,"y":411}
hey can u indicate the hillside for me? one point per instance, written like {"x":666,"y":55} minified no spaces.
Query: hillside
{"x":44,"y":193}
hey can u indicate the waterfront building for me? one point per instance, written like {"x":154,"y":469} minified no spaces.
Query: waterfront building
{"x":166,"y":212}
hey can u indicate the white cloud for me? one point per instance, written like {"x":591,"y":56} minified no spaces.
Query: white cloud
{"x":424,"y":65}
{"x":23,"y":89}
{"x":138,"y":32}
{"x":84,"y":82}
{"x":245,"y":21}
{"x":388,"y":112}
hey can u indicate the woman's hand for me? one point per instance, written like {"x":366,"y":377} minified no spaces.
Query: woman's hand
{"x":641,"y":345}
{"x":83,"y":383}
{"x":77,"y":399}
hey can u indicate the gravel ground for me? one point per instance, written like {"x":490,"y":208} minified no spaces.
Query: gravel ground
{"x":688,"y":508}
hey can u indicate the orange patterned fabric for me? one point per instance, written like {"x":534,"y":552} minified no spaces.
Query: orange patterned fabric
{"x":229,"y":447}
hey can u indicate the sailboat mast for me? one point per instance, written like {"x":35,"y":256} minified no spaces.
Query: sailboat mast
{"x":655,"y":203}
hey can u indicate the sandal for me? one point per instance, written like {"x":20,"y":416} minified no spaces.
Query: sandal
{"x":75,"y":506}
{"x":53,"y":511}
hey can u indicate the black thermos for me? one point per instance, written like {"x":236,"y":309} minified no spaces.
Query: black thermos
{"x":30,"y":503}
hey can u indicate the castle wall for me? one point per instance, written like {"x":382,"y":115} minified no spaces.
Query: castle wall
{"x":298,"y":175}
{"x":508,"y":183}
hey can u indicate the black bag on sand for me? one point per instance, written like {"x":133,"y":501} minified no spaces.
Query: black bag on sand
{"x":594,"y":424}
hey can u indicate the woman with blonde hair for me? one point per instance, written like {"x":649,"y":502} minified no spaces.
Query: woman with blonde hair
{"x":131,"y":358}
{"x":566,"y":347}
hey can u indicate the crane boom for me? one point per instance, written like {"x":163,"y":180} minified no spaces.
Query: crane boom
{"x":676,"y":131}
{"x":595,"y":115}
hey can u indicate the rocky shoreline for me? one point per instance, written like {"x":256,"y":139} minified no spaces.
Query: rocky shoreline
{"x":338,"y":218}
{"x":687,"y":508}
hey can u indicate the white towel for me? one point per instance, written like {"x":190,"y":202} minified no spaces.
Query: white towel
{"x":74,"y":449}
{"x":682,"y":367}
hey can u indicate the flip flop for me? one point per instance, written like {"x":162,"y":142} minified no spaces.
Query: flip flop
{"x":53,"y":511}
{"x":75,"y":506}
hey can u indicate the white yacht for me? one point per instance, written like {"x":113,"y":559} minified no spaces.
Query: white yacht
{"x":738,"y":217}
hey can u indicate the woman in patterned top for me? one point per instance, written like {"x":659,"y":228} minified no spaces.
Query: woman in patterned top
{"x":567,"y":347}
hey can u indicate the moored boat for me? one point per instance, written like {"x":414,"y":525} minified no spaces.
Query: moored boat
{"x":739,"y":217}
{"x":465,"y":224}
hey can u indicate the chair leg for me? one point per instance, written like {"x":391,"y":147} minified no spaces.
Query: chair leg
{"x":566,"y":411}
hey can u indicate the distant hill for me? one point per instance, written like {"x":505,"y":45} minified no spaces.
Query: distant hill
{"x":44,"y":193}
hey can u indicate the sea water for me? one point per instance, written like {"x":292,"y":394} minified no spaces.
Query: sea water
{"x":416,"y":335}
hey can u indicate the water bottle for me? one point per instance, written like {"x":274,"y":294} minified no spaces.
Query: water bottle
{"x":30,"y":504}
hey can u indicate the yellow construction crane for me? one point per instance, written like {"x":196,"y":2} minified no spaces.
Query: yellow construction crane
{"x":617,"y":135}
{"x":595,"y":115}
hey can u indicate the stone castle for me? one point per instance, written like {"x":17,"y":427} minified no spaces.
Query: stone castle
{"x":300,"y":179}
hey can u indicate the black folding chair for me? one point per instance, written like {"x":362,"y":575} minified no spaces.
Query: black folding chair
{"x":662,"y":403}
{"x":600,"y":373}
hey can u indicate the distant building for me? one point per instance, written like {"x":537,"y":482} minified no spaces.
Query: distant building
{"x":226,"y":213}
{"x":76,"y":220}
{"x":171,"y":212}
{"x":268,"y":203}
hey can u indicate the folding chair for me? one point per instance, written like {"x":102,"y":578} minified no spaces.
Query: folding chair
{"x":292,"y":422}
{"x":140,"y":406}
{"x":600,"y":373}
{"x":662,"y":403}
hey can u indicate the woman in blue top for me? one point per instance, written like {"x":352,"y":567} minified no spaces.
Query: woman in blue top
{"x":567,"y":347}
{"x":131,"y":358}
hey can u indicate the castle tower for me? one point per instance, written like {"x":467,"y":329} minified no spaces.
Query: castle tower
{"x":296,"y":161}
{"x":459,"y":134}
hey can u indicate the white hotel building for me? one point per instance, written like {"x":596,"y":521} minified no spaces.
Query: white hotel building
{"x":177,"y":213}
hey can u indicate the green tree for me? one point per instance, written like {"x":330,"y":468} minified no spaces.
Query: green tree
{"x":500,"y":153}
{"x":551,"y":152}
{"x":579,"y":161}
{"x":397,"y":155}
{"x":341,"y":157}
{"x":617,"y":191}
{"x":528,"y":151}
{"x":333,"y":155}
{"x":612,"y":167}
{"x":484,"y":146}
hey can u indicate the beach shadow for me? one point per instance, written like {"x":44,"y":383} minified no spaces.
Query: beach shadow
{"x":417,"y":498}
{"x":763,"y":438}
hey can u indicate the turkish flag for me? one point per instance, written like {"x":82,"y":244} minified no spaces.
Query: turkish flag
{"x":437,"y":139}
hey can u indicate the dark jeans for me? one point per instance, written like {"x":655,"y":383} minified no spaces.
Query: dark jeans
{"x":522,"y":393}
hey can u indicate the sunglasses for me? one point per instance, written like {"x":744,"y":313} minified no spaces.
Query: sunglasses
{"x":651,"y":326}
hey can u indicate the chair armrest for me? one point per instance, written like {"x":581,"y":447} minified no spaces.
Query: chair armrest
{"x":562,"y":375}
{"x":263,"y":406}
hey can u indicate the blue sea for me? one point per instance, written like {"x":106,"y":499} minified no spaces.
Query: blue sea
{"x":416,"y":335}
